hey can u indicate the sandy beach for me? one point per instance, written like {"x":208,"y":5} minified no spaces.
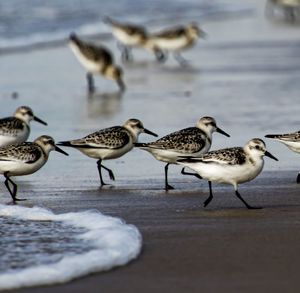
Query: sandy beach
{"x":246,"y":75}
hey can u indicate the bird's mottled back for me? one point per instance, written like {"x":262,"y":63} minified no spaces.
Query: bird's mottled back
{"x":11,"y":126}
{"x":230,"y":156}
{"x":188,"y":140}
{"x":26,"y":152}
{"x":112,"y":138}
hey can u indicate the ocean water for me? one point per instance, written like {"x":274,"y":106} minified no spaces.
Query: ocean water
{"x":38,"y":247}
{"x":37,"y":22}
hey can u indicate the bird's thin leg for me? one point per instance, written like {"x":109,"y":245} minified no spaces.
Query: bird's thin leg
{"x":110,"y":173}
{"x":183,"y":172}
{"x":126,"y":54}
{"x":245,"y":203}
{"x":90,"y":82}
{"x":160,"y":55}
{"x":100,"y":173}
{"x":298,"y":178}
{"x":167,"y":186}
{"x":180,"y":59}
{"x":209,"y":199}
{"x":13,"y":192}
{"x":290,"y":14}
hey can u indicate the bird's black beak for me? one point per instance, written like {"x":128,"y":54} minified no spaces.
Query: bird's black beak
{"x":150,"y":132}
{"x":37,"y":119}
{"x":270,"y":156}
{"x":222,"y":132}
{"x":60,"y":151}
{"x":121,"y":85}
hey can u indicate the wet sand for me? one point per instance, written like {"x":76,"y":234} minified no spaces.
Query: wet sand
{"x":223,"y":248}
{"x":248,"y":79}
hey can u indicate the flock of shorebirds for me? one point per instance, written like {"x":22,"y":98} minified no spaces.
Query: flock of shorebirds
{"x":188,"y":147}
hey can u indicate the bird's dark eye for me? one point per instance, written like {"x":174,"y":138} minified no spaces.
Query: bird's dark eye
{"x":257,"y":147}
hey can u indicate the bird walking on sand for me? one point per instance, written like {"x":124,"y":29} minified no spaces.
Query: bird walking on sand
{"x":129,"y":36}
{"x":16,"y":129}
{"x":24,"y":159}
{"x":96,"y":60}
{"x":109,"y":143}
{"x":192,"y":141}
{"x":291,"y":140}
{"x":230,"y":166}
{"x":177,"y":39}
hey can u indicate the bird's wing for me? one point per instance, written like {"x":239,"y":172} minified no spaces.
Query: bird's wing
{"x":295,"y":136}
{"x":10,"y":125}
{"x":26,"y":152}
{"x":230,"y":156}
{"x":189,"y":140}
{"x":170,"y":33}
{"x":110,"y":138}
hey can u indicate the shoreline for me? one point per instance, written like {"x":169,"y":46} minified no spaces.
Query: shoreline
{"x":186,"y":247}
{"x":248,"y":79}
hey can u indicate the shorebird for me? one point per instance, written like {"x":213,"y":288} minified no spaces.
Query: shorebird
{"x":291,"y":140}
{"x":177,"y":39}
{"x":192,"y":141}
{"x":96,"y":60}
{"x":16,"y":129}
{"x":231,"y":166}
{"x":109,"y":143}
{"x":290,"y":8}
{"x":131,"y":35}
{"x":24,"y":159}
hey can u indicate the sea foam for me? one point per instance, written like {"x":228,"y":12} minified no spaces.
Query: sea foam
{"x":113,"y":242}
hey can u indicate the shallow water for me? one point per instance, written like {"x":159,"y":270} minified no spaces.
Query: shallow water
{"x":31,"y":243}
{"x":38,"y":22}
{"x":41,"y":248}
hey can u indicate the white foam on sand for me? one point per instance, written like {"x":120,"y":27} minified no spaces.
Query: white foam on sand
{"x":115,"y":243}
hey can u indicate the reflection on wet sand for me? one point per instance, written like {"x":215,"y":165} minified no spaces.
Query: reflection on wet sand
{"x":103,"y":104}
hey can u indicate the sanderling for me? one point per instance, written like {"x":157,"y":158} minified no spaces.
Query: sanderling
{"x":16,"y":129}
{"x":131,"y":35}
{"x":96,"y":60}
{"x":176,"y":40}
{"x":290,"y":8}
{"x":291,"y":140}
{"x":109,"y":143}
{"x":192,"y":141}
{"x":231,"y":166}
{"x":24,"y":159}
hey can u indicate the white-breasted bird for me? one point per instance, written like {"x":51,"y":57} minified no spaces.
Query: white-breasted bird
{"x":192,"y":141}
{"x":96,"y":59}
{"x":175,"y":40}
{"x":16,"y":129}
{"x":291,"y":140}
{"x":109,"y":143}
{"x":24,"y":159}
{"x":230,"y":166}
{"x":130,"y":36}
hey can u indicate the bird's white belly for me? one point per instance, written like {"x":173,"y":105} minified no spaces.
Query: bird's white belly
{"x":20,"y":168}
{"x":106,"y":154}
{"x":229,"y":174}
{"x":175,"y":44}
{"x":292,"y":145}
{"x":126,"y":39}
{"x":89,"y":65}
{"x":171,"y":156}
{"x":20,"y":137}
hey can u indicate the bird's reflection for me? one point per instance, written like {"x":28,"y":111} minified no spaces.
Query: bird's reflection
{"x":288,"y":9}
{"x":103,"y":104}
